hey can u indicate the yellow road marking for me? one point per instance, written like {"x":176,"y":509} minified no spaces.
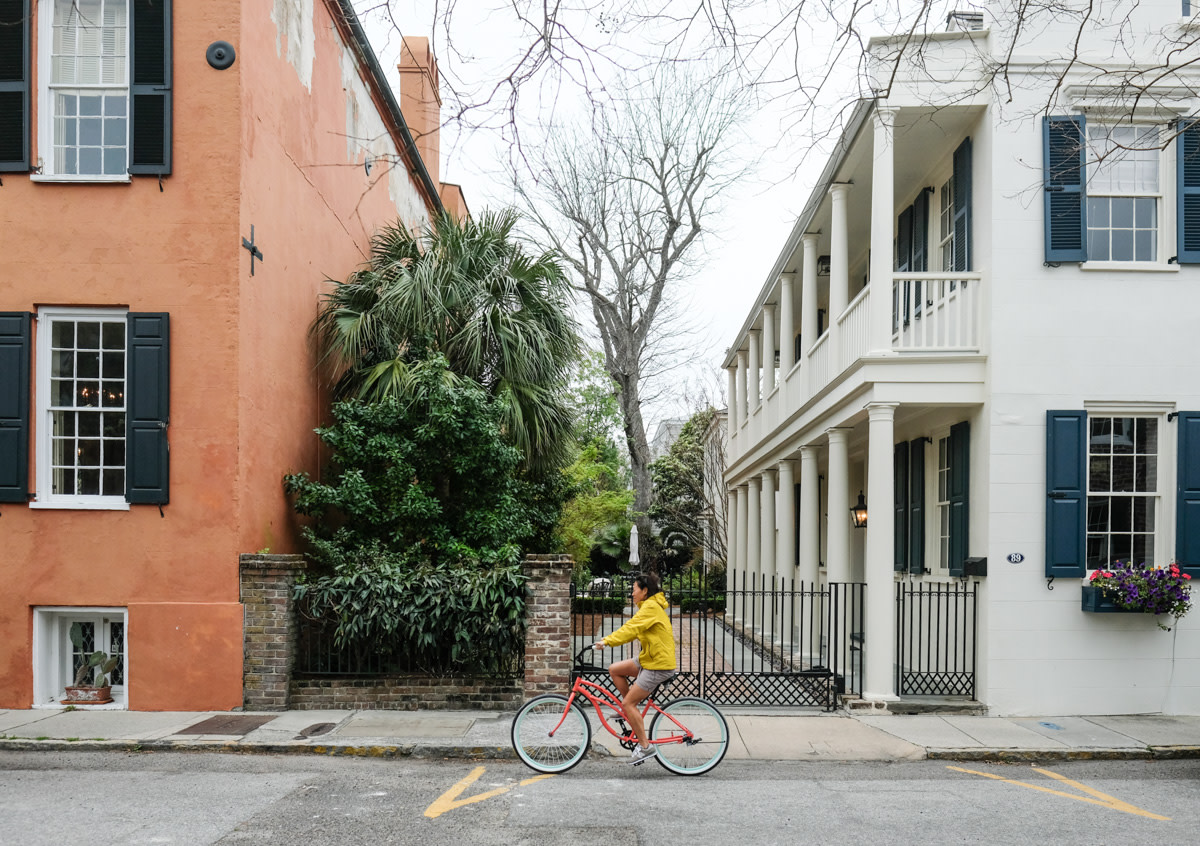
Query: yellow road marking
{"x":449,"y":800}
{"x":1101,"y":799}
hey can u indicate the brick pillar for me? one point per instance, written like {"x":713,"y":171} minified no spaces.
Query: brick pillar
{"x":269,"y":629}
{"x":548,"y":631}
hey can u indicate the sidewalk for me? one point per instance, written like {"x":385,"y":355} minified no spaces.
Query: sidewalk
{"x":755,"y":734}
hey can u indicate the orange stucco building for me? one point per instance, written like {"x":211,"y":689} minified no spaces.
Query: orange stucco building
{"x":156,"y":380}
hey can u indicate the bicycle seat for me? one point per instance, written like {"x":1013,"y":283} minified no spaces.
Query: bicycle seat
{"x":662,"y":687}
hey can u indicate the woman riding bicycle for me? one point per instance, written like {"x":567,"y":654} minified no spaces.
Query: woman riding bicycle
{"x":655,"y":663}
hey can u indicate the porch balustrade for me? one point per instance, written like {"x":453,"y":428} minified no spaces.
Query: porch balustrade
{"x":932,"y":312}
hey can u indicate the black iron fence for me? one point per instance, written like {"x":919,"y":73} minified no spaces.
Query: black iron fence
{"x":318,"y":654}
{"x":936,"y":634}
{"x":764,"y":642}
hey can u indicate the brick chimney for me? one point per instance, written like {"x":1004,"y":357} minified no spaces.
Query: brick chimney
{"x":420,"y":101}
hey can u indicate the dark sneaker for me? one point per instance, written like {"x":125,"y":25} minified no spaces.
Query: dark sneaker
{"x":641,"y":754}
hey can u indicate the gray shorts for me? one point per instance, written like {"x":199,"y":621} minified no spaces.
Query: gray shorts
{"x":648,"y":680}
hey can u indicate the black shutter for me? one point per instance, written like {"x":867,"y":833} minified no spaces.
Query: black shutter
{"x":14,"y":85}
{"x":900,"y":504}
{"x":1187,"y":497}
{"x":963,"y":251}
{"x":916,"y":506}
{"x":150,"y":92}
{"x":960,"y":483}
{"x":147,"y":409}
{"x":1064,"y":156}
{"x":14,"y":405}
{"x":1066,"y":493}
{"x":1187,"y":248}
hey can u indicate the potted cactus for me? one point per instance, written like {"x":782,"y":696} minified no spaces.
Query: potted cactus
{"x":91,"y":686}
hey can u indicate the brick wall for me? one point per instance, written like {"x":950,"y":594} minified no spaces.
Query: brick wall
{"x":269,"y":629}
{"x":270,"y":644}
{"x":548,"y":630}
{"x":405,"y":693}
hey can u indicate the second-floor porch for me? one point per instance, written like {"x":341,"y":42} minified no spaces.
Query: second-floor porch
{"x":895,"y":204}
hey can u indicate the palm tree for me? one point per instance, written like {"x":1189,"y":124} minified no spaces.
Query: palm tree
{"x":468,"y":290}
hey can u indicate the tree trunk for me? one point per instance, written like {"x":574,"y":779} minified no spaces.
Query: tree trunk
{"x":639,"y":455}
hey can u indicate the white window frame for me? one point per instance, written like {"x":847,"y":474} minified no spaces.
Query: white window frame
{"x":935,"y":562}
{"x":1165,"y":246}
{"x":45,"y":105}
{"x":945,"y":223}
{"x":42,"y":425}
{"x":1164,"y":524}
{"x":52,"y":652}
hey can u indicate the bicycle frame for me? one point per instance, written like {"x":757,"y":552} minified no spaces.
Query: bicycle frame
{"x":604,"y":697}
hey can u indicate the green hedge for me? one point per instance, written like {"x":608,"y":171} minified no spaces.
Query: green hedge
{"x":694,"y":604}
{"x":598,"y":604}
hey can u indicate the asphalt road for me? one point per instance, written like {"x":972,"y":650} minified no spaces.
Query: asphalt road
{"x":197,"y":798}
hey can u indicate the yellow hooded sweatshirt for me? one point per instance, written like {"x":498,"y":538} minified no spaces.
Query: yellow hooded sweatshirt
{"x":652,"y":628}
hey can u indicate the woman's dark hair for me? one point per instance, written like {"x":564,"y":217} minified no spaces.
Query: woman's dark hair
{"x":648,"y":582}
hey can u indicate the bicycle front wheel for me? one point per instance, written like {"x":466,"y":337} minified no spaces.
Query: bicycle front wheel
{"x":708,"y":742}
{"x":539,"y":749}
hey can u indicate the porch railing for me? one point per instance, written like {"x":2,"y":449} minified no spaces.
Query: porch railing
{"x":936,"y":311}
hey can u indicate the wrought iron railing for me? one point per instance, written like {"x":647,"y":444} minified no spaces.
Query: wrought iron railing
{"x":319,"y":654}
{"x":936,"y":634}
{"x":766,"y":642}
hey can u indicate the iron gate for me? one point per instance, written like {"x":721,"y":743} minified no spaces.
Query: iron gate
{"x":936,"y":632}
{"x":764,"y":642}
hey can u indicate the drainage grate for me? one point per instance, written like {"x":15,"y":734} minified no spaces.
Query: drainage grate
{"x":314,"y":730}
{"x":228,"y":724}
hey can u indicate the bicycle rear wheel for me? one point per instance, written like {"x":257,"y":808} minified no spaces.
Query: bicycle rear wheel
{"x":709,"y":736}
{"x":533,"y":743}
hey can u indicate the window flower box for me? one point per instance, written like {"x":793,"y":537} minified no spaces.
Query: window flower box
{"x":1096,"y":602}
{"x":1140,"y":588}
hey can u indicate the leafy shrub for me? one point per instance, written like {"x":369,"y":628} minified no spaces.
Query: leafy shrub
{"x":424,"y":618}
{"x":598,"y":604}
{"x":696,"y":604}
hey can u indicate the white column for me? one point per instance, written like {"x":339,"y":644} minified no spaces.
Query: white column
{"x":808,"y":313}
{"x":740,"y":391}
{"x":787,"y":325}
{"x":839,"y":256}
{"x":879,"y":330}
{"x":731,"y":547}
{"x":837,"y":563}
{"x":785,"y":521}
{"x":731,"y":415}
{"x":754,"y":528}
{"x":769,"y":611}
{"x":878,"y":679}
{"x":767,"y":546}
{"x":768,"y":350}
{"x":743,"y":539}
{"x":754,"y":373}
{"x":810,"y":517}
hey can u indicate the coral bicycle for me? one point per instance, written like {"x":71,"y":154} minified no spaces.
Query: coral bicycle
{"x":551,"y":733}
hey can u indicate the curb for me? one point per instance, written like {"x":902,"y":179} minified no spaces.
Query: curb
{"x":1148,"y":753}
{"x":374,"y":750}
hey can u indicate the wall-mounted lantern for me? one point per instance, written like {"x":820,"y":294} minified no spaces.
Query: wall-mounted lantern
{"x":859,"y":512}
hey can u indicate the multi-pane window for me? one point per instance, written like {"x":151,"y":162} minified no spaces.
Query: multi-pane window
{"x":86,"y":407}
{"x":89,"y":93}
{"x":104,"y":636}
{"x":1122,"y":489}
{"x":946,"y":224}
{"x":1123,"y":193}
{"x":943,"y":503}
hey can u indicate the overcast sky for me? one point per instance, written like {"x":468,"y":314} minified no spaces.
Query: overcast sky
{"x":741,"y":244}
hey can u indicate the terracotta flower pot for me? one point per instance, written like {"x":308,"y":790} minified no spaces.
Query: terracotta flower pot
{"x":87,"y":696}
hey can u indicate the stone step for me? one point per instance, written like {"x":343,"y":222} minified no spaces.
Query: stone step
{"x":918,"y":705}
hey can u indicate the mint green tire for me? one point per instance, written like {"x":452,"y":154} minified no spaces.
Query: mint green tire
{"x":537,"y":747}
{"x":707,"y":744}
